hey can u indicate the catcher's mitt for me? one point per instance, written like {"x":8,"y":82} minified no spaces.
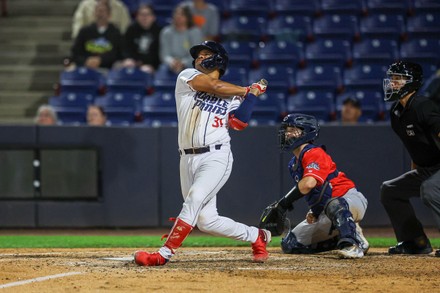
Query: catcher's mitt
{"x":274,"y":218}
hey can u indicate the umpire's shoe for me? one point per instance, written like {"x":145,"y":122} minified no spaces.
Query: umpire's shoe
{"x":420,"y":245}
{"x":259,"y":247}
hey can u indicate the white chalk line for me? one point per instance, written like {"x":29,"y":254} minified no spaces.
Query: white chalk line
{"x":39,"y":279}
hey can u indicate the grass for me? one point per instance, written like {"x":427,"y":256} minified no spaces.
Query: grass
{"x":105,"y":241}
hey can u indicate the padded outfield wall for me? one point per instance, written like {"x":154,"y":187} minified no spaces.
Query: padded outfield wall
{"x":87,"y":177}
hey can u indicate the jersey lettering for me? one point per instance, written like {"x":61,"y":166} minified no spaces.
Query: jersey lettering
{"x":218,"y":122}
{"x":209,"y":103}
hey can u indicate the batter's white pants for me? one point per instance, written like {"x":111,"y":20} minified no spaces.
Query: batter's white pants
{"x":201,"y":177}
{"x":308,"y":234}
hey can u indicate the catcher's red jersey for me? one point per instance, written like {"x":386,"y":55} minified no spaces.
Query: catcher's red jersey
{"x":318,"y":164}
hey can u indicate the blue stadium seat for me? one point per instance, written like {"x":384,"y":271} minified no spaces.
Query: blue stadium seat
{"x":365,"y":76}
{"x":243,"y":28}
{"x":328,"y":51}
{"x":129,"y":80}
{"x":159,"y":109}
{"x":279,"y":77}
{"x":120,"y":108}
{"x":297,"y":7}
{"x":290,"y":28}
{"x":355,"y":7}
{"x":424,"y":24}
{"x":81,"y":80}
{"x":336,"y":26}
{"x":397,"y":6}
{"x":421,"y":50}
{"x":375,"y":49}
{"x":236,"y":75}
{"x":269,"y":109}
{"x":317,"y":76}
{"x":240,"y":53}
{"x":383,"y":25}
{"x":249,"y":8}
{"x":372,"y":104}
{"x":280,"y":52}
{"x":319,"y":103}
{"x":132,"y":6}
{"x":70,"y":116}
{"x":72,"y":100}
{"x":425,"y":5}
{"x":164,"y":79}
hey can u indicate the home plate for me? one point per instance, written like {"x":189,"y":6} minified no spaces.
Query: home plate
{"x":129,"y":258}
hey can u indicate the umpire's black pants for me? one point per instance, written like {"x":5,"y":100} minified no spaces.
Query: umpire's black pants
{"x":395,"y":195}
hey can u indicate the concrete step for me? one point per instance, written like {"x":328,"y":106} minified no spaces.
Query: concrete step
{"x":40,"y":34}
{"x":30,"y":58}
{"x":42,"y":7}
{"x":36,"y":21}
{"x":37,"y":47}
{"x":23,"y":97}
{"x":22,"y":77}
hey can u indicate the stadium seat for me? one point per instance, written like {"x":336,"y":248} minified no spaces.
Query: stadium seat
{"x":396,"y":6}
{"x":424,"y":24}
{"x":365,"y":76}
{"x":425,"y":5}
{"x":159,"y":109}
{"x":72,"y":100}
{"x":343,"y":26}
{"x":280,"y":52}
{"x":269,"y":109}
{"x":236,"y":75}
{"x":355,"y":7}
{"x":249,"y":8}
{"x":297,"y":7}
{"x":129,"y":80}
{"x":291,"y":28}
{"x":243,"y":28}
{"x":372,"y":104}
{"x":328,"y":51}
{"x":240,"y":53}
{"x":279,"y":77}
{"x":70,"y":115}
{"x":391,"y":26}
{"x":164,"y":79}
{"x":81,"y":80}
{"x":317,"y":76}
{"x":319,"y":103}
{"x":421,"y":50}
{"x":375,"y":50}
{"x":120,"y":108}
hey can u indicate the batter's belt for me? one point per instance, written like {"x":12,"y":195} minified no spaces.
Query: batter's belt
{"x":200,"y":150}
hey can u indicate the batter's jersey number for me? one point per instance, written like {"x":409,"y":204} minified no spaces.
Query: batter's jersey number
{"x":218,"y":122}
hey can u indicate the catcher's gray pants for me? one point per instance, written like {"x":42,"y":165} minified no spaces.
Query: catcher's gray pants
{"x":310,"y":234}
{"x":395,"y":195}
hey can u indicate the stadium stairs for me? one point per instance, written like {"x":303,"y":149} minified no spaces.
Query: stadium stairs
{"x":34,"y":38}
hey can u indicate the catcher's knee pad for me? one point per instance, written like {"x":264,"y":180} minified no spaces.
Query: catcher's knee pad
{"x":337,"y":210}
{"x":290,"y":244}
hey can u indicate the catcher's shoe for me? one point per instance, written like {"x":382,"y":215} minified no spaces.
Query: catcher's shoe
{"x":259,"y":247}
{"x":437,"y":252}
{"x":409,"y":247}
{"x":143,"y":258}
{"x":352,"y":251}
{"x":363,"y":242}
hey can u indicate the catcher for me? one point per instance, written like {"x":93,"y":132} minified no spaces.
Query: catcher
{"x":336,"y":206}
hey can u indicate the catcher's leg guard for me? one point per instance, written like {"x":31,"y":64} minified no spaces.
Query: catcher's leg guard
{"x":338,"y":212}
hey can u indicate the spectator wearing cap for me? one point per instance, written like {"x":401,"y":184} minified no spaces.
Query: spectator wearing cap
{"x":351,"y":110}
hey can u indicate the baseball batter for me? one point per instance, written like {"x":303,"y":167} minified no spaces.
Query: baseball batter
{"x":207,"y":108}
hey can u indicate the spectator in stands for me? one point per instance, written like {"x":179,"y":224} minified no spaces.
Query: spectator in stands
{"x":98,"y":45}
{"x":142,"y":40}
{"x":46,"y":115}
{"x":177,"y":38}
{"x":96,"y":116}
{"x":351,"y":111}
{"x":85,"y":15}
{"x":206,"y":16}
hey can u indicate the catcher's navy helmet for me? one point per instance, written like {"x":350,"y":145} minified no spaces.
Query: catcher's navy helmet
{"x":307,"y":123}
{"x":219,"y":60}
{"x":411,"y":75}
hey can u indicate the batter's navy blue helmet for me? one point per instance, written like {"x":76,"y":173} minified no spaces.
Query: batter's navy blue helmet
{"x":411,"y":75}
{"x":307,"y":123}
{"x":219,"y":60}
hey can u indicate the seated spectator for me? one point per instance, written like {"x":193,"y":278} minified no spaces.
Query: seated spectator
{"x":177,"y":38}
{"x":85,"y":15}
{"x":351,"y":111}
{"x":207,"y":17}
{"x":142,"y":40}
{"x":96,"y":116}
{"x":46,"y":115}
{"x":98,"y":45}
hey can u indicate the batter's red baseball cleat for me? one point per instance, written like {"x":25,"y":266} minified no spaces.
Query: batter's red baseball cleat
{"x":143,"y":258}
{"x":259,"y":247}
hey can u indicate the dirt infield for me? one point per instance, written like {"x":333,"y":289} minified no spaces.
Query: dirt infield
{"x":214,"y":270}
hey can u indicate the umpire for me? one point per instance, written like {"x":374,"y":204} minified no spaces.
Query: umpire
{"x":416,"y":120}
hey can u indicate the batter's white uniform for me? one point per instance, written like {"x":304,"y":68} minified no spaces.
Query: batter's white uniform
{"x":203,"y":122}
